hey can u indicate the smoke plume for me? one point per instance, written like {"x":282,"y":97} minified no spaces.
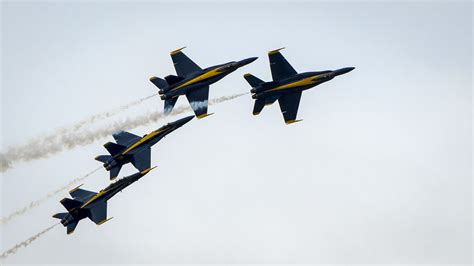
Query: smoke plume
{"x":25,"y":243}
{"x":51,"y":194}
{"x":77,"y":135}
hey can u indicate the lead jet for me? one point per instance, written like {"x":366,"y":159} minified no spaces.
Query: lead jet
{"x":133,"y":149}
{"x":192,"y":81}
{"x":92,"y":205}
{"x":287,"y":85}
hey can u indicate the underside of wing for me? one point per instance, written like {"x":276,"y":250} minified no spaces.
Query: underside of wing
{"x":98,"y":212}
{"x":124,"y":137}
{"x":183,"y":64}
{"x":81,"y":194}
{"x":142,"y":160}
{"x":198,"y":99}
{"x":289,"y":104}
{"x":279,"y":66}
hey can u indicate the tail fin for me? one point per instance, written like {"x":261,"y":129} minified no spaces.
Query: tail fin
{"x":259,"y":104}
{"x":160,"y":83}
{"x":252,"y":80}
{"x":70,"y":204}
{"x":172,"y":79}
{"x":114,"y":148}
{"x":114,"y":172}
{"x":103,"y":158}
{"x":169,"y":104}
{"x":71,"y":227}
{"x":60,"y":215}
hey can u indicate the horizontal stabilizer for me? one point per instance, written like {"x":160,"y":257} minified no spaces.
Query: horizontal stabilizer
{"x":169,"y":105}
{"x":60,"y":215}
{"x":103,"y":158}
{"x":114,"y":172}
{"x":114,"y":148}
{"x":160,"y":83}
{"x":252,"y":80}
{"x":70,"y":204}
{"x":71,"y":227}
{"x":258,"y":106}
{"x":172,"y":79}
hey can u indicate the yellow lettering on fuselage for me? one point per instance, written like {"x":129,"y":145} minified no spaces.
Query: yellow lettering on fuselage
{"x":144,"y":139}
{"x":299,"y":83}
{"x":209,"y":74}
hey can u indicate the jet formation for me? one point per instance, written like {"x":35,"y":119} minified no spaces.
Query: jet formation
{"x":287,"y":85}
{"x":191,"y":80}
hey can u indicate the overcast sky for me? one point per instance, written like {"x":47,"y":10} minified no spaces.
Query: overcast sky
{"x":379,"y":171}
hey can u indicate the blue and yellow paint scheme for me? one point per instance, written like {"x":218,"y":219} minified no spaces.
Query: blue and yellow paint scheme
{"x":192,"y":81}
{"x":93,"y":205}
{"x":130,"y":148}
{"x":287,"y":85}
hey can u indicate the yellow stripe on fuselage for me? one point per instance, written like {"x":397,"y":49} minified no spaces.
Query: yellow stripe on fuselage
{"x":95,"y":197}
{"x":144,"y":139}
{"x":209,"y":74}
{"x":299,"y":83}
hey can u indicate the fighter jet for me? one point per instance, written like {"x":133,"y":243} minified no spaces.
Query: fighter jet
{"x":192,"y":81}
{"x":287,"y":85}
{"x":133,"y":149}
{"x":92,"y":205}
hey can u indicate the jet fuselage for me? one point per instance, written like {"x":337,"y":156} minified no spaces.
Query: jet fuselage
{"x":81,"y":212}
{"x":298,"y":82}
{"x":205,"y":77}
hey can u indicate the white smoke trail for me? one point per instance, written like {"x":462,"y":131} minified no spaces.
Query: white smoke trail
{"x":25,"y":243}
{"x":70,"y":137}
{"x":51,"y":194}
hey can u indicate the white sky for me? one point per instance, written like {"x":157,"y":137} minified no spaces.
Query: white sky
{"x":379,"y":171}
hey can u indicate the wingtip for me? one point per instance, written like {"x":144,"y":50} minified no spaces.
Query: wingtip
{"x":104,"y":221}
{"x":74,"y":189}
{"x":144,"y":172}
{"x":177,"y":50}
{"x":204,"y":115}
{"x":289,"y":122}
{"x":152,"y":78}
{"x":276,"y":51}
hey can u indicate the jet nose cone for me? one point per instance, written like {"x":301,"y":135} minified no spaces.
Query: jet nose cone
{"x":343,"y":70}
{"x":183,"y":121}
{"x":247,"y":61}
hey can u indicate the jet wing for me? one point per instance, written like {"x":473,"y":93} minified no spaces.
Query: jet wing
{"x":289,"y":104}
{"x":198,"y":98}
{"x":183,"y":64}
{"x":142,"y":160}
{"x":81,"y":194}
{"x":124,"y":137}
{"x":281,"y":69}
{"x":98,"y":212}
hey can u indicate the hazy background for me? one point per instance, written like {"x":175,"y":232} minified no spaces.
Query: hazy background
{"x":379,"y":171}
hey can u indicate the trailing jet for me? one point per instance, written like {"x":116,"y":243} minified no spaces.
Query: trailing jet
{"x":287,"y":85}
{"x":192,"y":81}
{"x":92,"y":205}
{"x":133,"y":149}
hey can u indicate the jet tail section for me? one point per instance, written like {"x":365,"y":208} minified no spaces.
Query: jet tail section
{"x":252,"y":80}
{"x":70,"y":204}
{"x":114,"y":148}
{"x":160,"y":83}
{"x":169,"y":105}
{"x":71,"y":227}
{"x":103,"y":158}
{"x":258,"y":106}
{"x":60,"y":215}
